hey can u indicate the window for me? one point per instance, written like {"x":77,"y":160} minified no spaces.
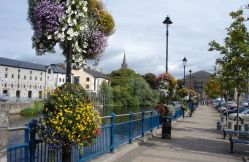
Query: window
{"x":6,"y":75}
{"x":87,"y":86}
{"x":40,"y":94}
{"x":6,"y":69}
{"x":24,"y":77}
{"x":41,"y":73}
{"x":76,"y":80}
{"x":35,"y":78}
{"x":18,"y":76}
{"x":30,"y":86}
{"x":49,"y":71}
{"x":60,"y":80}
{"x":35,"y":87}
{"x":87,"y":79}
{"x":29,"y":94}
{"x":18,"y":85}
{"x":12,"y":76}
{"x":63,"y":80}
{"x":30,"y":72}
{"x":12,"y":85}
{"x":24,"y":86}
{"x":30,"y":78}
{"x":40,"y":79}
{"x":19,"y":70}
{"x":5,"y":92}
{"x":48,"y":77}
{"x":5,"y":85}
{"x":18,"y":94}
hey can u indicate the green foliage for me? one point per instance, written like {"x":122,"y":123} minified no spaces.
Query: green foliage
{"x":234,"y":53}
{"x":213,"y":88}
{"x":151,"y":79}
{"x":107,"y":91}
{"x":182,"y":92}
{"x":179,"y":84}
{"x":33,"y":111}
{"x":129,"y":89}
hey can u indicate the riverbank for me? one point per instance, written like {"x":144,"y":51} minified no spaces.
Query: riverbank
{"x":15,"y":107}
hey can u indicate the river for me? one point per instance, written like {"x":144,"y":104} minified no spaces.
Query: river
{"x":16,"y":120}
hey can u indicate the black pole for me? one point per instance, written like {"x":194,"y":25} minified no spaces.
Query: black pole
{"x":184,"y":76}
{"x":167,"y":39}
{"x":190,"y":81}
{"x":69,"y":63}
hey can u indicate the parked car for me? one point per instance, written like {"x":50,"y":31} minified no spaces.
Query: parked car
{"x":241,"y":109}
{"x":242,"y":115}
{"x":222,"y":108}
{"x":244,"y":103}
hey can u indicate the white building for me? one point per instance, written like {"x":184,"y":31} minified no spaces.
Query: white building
{"x":90,"y":79}
{"x":24,"y":80}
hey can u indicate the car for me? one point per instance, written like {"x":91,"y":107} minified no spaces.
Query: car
{"x":244,"y":103}
{"x":241,"y":109}
{"x":222,"y":108}
{"x":242,"y":115}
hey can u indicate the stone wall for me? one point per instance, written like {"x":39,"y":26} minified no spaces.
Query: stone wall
{"x":14,"y":108}
{"x":4,"y":125}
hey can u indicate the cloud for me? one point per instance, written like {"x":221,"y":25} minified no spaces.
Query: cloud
{"x":139,"y":32}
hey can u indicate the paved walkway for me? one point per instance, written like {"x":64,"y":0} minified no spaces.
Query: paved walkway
{"x":193,"y":140}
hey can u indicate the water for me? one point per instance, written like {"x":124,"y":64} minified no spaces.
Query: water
{"x":16,"y":120}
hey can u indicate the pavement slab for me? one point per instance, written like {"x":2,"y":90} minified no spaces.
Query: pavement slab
{"x":194,"y":139}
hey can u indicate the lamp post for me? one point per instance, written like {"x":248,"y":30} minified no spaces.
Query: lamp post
{"x":167,"y":22}
{"x":190,"y":71}
{"x":184,"y":66}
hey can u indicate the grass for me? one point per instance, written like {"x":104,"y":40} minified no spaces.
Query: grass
{"x":33,"y":111}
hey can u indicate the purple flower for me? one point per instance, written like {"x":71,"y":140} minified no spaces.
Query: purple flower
{"x":96,"y":44}
{"x":46,"y":17}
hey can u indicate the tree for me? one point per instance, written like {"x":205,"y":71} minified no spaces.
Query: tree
{"x":213,"y":88}
{"x":107,"y":91}
{"x":234,"y":54}
{"x":151,"y":79}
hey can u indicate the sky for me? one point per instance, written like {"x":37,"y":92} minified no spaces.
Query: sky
{"x":139,"y":32}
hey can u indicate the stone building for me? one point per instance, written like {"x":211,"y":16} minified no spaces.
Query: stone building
{"x":20,"y":80}
{"x":198,"y":81}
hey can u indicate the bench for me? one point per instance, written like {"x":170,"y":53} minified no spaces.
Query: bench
{"x":234,"y":133}
{"x":241,"y":137}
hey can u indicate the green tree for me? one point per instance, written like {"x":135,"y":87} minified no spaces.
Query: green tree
{"x":213,"y":88}
{"x":151,"y":79}
{"x":234,"y":54}
{"x":107,"y":92}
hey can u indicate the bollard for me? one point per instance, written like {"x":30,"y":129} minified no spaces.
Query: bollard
{"x":235,"y":127}
{"x":218,"y":125}
{"x":222,"y":119}
{"x":4,"y":125}
{"x":246,"y":127}
{"x":230,"y":125}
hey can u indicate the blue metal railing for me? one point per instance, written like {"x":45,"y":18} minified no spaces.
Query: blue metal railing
{"x":115,"y":131}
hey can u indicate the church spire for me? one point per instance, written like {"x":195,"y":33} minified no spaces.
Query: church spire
{"x":124,"y":64}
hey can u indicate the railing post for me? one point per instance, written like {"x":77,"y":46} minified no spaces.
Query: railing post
{"x":26,"y":140}
{"x":151,"y":121}
{"x":4,"y":125}
{"x":32,"y":143}
{"x":130,"y":127}
{"x":142,"y":123}
{"x":112,"y":132}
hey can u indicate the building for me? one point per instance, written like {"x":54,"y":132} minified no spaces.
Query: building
{"x":124,"y":64}
{"x":90,"y":79}
{"x":20,"y":80}
{"x":198,"y":81}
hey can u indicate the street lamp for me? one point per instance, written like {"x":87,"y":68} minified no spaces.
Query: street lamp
{"x":190,"y":71}
{"x":167,"y":22}
{"x":184,"y":66}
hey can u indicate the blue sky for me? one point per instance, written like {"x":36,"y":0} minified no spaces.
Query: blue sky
{"x":139,"y":32}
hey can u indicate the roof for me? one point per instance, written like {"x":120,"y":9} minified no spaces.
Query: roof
{"x":21,"y":64}
{"x":29,"y":65}
{"x":95,"y":74}
{"x":57,"y":69}
{"x":200,"y":75}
